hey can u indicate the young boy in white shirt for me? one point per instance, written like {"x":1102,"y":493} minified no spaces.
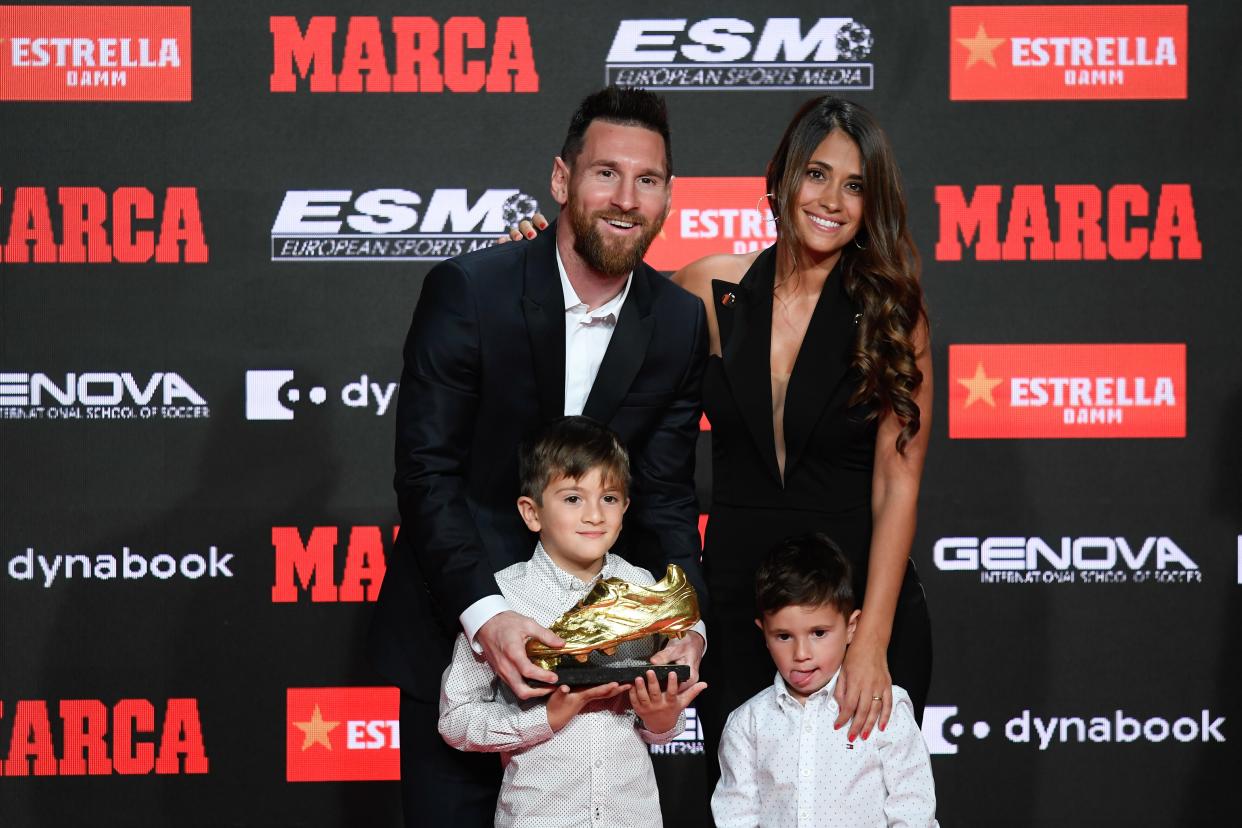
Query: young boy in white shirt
{"x":782,"y":763}
{"x":578,"y":757}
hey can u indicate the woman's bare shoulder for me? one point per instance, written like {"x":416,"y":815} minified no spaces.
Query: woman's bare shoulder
{"x":697,"y":276}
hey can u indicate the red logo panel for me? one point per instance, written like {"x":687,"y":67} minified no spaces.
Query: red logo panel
{"x":1058,"y":391}
{"x":712,"y":215}
{"x":1012,"y":53}
{"x":95,"y":53}
{"x":341,"y":734}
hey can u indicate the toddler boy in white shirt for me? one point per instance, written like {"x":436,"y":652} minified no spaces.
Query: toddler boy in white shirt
{"x":579,"y":756}
{"x":782,"y":763}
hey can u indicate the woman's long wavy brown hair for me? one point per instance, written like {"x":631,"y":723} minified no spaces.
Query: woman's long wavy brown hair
{"x":883,"y":276}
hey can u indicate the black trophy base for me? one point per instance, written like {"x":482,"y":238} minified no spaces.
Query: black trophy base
{"x":589,"y":675}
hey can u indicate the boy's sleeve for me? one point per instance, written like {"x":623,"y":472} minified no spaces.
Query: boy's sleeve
{"x":911,"y":798}
{"x":735,"y":803}
{"x":475,"y":714}
{"x":661,"y":738}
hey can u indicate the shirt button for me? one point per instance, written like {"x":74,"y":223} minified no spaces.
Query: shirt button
{"x":804,"y":814}
{"x":599,"y":763}
{"x":806,"y":771}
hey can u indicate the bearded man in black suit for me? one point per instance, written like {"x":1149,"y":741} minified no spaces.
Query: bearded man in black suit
{"x":504,"y":340}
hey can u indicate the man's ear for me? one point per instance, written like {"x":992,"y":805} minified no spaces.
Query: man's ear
{"x":529,"y":511}
{"x":560,"y":181}
{"x":851,"y":625}
{"x":668,"y":201}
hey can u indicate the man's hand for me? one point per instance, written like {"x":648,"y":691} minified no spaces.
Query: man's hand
{"x":685,"y":650}
{"x":565,"y":703}
{"x":660,"y":709}
{"x":503,"y":639}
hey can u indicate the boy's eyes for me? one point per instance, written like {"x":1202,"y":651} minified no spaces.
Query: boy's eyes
{"x":573,"y":499}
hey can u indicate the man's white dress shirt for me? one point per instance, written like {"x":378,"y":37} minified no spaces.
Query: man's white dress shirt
{"x":596,"y":771}
{"x":783,"y":765}
{"x":587,"y":334}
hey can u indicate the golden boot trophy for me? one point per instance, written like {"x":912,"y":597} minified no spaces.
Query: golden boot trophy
{"x":611,"y":616}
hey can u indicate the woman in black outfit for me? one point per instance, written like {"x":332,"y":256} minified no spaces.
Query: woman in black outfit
{"x":819,"y":397}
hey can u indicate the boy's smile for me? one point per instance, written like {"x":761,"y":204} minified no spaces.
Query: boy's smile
{"x":578,"y":521}
{"x":807,"y":642}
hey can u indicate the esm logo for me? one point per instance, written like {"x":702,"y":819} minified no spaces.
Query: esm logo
{"x":392,"y":224}
{"x":730,"y":53}
{"x":409,"y":54}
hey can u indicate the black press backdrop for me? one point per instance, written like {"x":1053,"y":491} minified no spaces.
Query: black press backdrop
{"x":1143,"y":669}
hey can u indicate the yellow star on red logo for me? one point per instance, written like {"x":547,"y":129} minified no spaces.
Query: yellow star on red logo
{"x":981,"y":48}
{"x":316,"y":730}
{"x":980,"y":387}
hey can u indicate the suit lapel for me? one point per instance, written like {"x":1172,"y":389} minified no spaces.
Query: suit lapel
{"x":543,"y":306}
{"x":747,"y":350}
{"x":626,"y":349}
{"x":823,"y":361}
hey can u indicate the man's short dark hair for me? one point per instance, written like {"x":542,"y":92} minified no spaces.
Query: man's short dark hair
{"x":808,"y":570}
{"x":572,"y":447}
{"x":622,"y":105}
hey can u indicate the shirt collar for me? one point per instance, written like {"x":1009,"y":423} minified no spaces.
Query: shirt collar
{"x":611,"y":307}
{"x":544,"y":567}
{"x":824,"y":693}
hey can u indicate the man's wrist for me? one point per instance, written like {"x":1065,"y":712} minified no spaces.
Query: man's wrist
{"x":478,"y":614}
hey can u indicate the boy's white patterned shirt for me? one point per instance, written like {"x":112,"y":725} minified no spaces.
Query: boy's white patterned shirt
{"x":596,"y":771}
{"x":783,"y":765}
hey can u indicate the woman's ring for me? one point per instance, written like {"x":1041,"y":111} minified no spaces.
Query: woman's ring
{"x":877,"y":698}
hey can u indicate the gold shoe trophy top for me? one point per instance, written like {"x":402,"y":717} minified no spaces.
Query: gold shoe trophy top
{"x":616,"y":611}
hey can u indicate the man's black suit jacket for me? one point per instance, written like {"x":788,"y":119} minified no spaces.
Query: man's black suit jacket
{"x":484,"y":369}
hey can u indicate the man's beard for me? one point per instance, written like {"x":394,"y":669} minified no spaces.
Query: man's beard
{"x":615,"y":257}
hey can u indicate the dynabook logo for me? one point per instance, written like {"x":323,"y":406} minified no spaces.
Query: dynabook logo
{"x":94,"y":53}
{"x":1086,"y":560}
{"x":712,"y":215}
{"x":274,"y":395}
{"x":99,"y":741}
{"x":308,"y":568}
{"x":1067,"y":52}
{"x":342,"y":734}
{"x":49,"y":570}
{"x":1059,"y":391}
{"x":406,"y":54}
{"x":1091,"y":224}
{"x":944,"y":730}
{"x":729,"y":53}
{"x":99,"y":395}
{"x":96,"y":227}
{"x":392,"y":224}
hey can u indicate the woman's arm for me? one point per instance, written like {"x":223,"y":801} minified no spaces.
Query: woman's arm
{"x":894,"y":507}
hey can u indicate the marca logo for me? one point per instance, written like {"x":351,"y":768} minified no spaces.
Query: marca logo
{"x":310,"y":565}
{"x":128,"y":566}
{"x":712,"y":215}
{"x":336,"y":734}
{"x":1085,"y":228}
{"x":729,"y":53}
{"x":98,"y":741}
{"x":1056,"y":391}
{"x":1117,"y":727}
{"x":424,"y":56}
{"x":94,"y":53}
{"x":273,"y":395}
{"x":1087,"y":560}
{"x":84,"y":212}
{"x":99,"y":395}
{"x":392,"y":225}
{"x":1067,"y":52}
